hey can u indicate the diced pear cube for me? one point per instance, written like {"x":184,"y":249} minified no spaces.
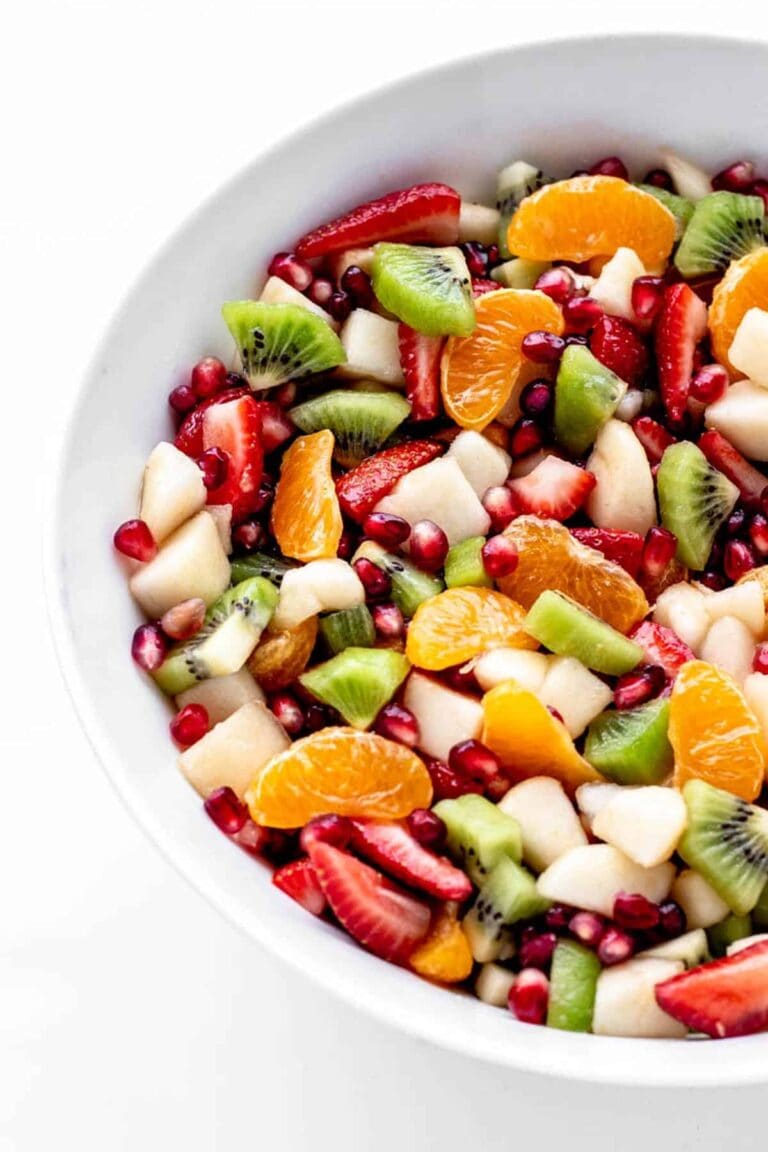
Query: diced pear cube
{"x":741,"y":415}
{"x":277,"y":291}
{"x":484,"y":464}
{"x":683,"y":608}
{"x":497,"y":665}
{"x":576,"y":693}
{"x":624,"y":497}
{"x":703,"y":907}
{"x":591,"y":798}
{"x":625,"y":1001}
{"x":592,"y":877}
{"x":372,"y":348}
{"x":222,"y":695}
{"x":729,"y":645}
{"x":547,"y":819}
{"x":444,"y":717}
{"x":493,"y":984}
{"x":613,"y":287}
{"x":233,"y":753}
{"x":172,"y":490}
{"x":438,"y":491}
{"x":745,"y":601}
{"x":190,"y":563}
{"x":319,"y":586}
{"x":689,"y":180}
{"x":478,"y":223}
{"x":222,"y":518}
{"x":749,"y":351}
{"x":645,"y":824}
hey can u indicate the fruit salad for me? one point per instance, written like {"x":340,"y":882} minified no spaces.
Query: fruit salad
{"x":455,"y":576}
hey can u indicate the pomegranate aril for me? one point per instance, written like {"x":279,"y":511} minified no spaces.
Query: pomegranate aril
{"x":526,"y":436}
{"x":658,"y":552}
{"x":389,"y":531}
{"x":715,"y":581}
{"x":647,"y":295}
{"x":462,"y":678}
{"x":330,"y":829}
{"x":347,"y":546}
{"x":227,"y":811}
{"x":735,"y":522}
{"x":320,"y":291}
{"x":428,"y":545}
{"x":182,"y":399}
{"x":501,"y":505}
{"x":557,"y":283}
{"x":264,"y":496}
{"x":208,"y":377}
{"x":493,"y":254}
{"x":134,"y":539}
{"x":395,"y":722}
{"x":472,"y":759}
{"x":634,"y":912}
{"x":587,"y":927}
{"x":248,"y":536}
{"x":317,"y":717}
{"x":427,"y":828}
{"x":758,"y":533}
{"x":760,"y":659}
{"x":738,"y":559}
{"x":659,"y":178}
{"x":376,"y":582}
{"x":636,"y":688}
{"x":252,"y":838}
{"x":288,"y":712}
{"x":529,"y":996}
{"x":184,"y":620}
{"x":214,"y":465}
{"x":536,"y":950}
{"x":654,"y":438}
{"x":496,"y":789}
{"x":190,"y":725}
{"x":737,"y":177}
{"x":291,"y":268}
{"x":536,"y":399}
{"x":581,"y":313}
{"x":500,"y":557}
{"x":709,"y":384}
{"x":672,"y":919}
{"x":339,"y":305}
{"x":388,"y":621}
{"x":476,"y":257}
{"x":284,"y":395}
{"x":615,"y":947}
{"x":557,"y":917}
{"x":610,"y":166}
{"x":357,"y":285}
{"x":760,"y":188}
{"x":149,"y":647}
{"x":542,"y":347}
{"x":447,"y":784}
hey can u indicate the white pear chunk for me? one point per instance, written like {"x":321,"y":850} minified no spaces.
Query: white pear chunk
{"x":444,"y":717}
{"x":630,"y":405}
{"x":692,"y":948}
{"x":683,"y":608}
{"x":749,"y":351}
{"x":744,"y":601}
{"x":438,"y":491}
{"x":172,"y":490}
{"x":351,"y":258}
{"x":755,"y":689}
{"x":547,"y":819}
{"x":644,"y":823}
{"x":483,"y":947}
{"x":624,"y":496}
{"x":484,"y":464}
{"x":498,"y":665}
{"x":576,"y":693}
{"x":222,"y":695}
{"x":319,"y":586}
{"x":222,"y":517}
{"x":729,"y":645}
{"x":372,"y":349}
{"x":741,"y":415}
{"x":478,"y":223}
{"x":746,"y":942}
{"x":689,"y":180}
{"x":592,"y":877}
{"x":519,"y":273}
{"x":190,"y":563}
{"x":591,"y":798}
{"x":233,"y":753}
{"x":613,"y":287}
{"x":493,"y":984}
{"x":277,"y":291}
{"x":703,"y":907}
{"x":625,"y":1001}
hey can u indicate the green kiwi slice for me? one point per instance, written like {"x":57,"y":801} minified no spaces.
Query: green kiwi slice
{"x":410,"y":586}
{"x":260,"y":564}
{"x":508,"y":895}
{"x":427,"y":288}
{"x":360,"y":421}
{"x":681,"y":209}
{"x":721,"y":936}
{"x":694,"y":500}
{"x":513,"y":184}
{"x":358,"y":682}
{"x":586,"y":395}
{"x":572,"y":987}
{"x":464,"y":565}
{"x":348,"y":628}
{"x":724,"y":226}
{"x":479,"y":834}
{"x":280,"y":342}
{"x":564,"y":627}
{"x":632,"y":746}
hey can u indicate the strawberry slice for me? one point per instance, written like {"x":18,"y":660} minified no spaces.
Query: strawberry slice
{"x":662,"y":646}
{"x":299,"y":881}
{"x":653,"y":437}
{"x":189,"y":438}
{"x":481,"y":287}
{"x":392,"y":848}
{"x":235,"y":427}
{"x":423,"y":214}
{"x":617,"y":345}
{"x":725,"y":998}
{"x":378,"y":914}
{"x":681,"y":325}
{"x":722,"y":455}
{"x":420,"y":360}
{"x":624,"y":548}
{"x":359,"y":490}
{"x":554,"y":489}
{"x":276,"y":426}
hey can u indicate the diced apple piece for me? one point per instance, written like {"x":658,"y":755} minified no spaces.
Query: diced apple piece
{"x":729,"y":645}
{"x":484,"y":464}
{"x":624,"y":496}
{"x":625,"y":1002}
{"x":320,"y":586}
{"x":744,"y":601}
{"x":222,"y":517}
{"x":613,"y":287}
{"x":353,"y":258}
{"x":576,"y":693}
{"x":233,"y":753}
{"x":277,"y":291}
{"x":222,"y":695}
{"x":592,"y":798}
{"x":444,"y":717}
{"x":701,"y":904}
{"x":741,"y":415}
{"x":172,"y":490}
{"x":755,"y":689}
{"x":749,"y":351}
{"x":692,"y":948}
{"x":689,"y":180}
{"x":592,"y":877}
{"x":493,"y":984}
{"x":746,"y":942}
{"x":478,"y":223}
{"x":529,"y":669}
{"x":438,"y":491}
{"x":547,"y":819}
{"x":372,"y":348}
{"x":683,"y":608}
{"x":190,"y":563}
{"x":644,"y":823}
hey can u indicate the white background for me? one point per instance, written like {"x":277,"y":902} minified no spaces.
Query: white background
{"x":131,"y":1015}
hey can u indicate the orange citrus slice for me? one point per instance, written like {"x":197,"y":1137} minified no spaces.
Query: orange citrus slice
{"x":591,"y":216}
{"x":459,"y":624}
{"x":306,"y":519}
{"x":549,"y":557}
{"x":714,"y":734}
{"x":341,"y":771}
{"x":283,"y":654}
{"x":445,"y":955}
{"x":744,"y":286}
{"x":478,"y":373}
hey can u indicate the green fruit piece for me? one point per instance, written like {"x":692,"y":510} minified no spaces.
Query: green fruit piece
{"x":694,"y":500}
{"x":349,"y":628}
{"x":586,"y":396}
{"x":427,"y":288}
{"x":681,"y":209}
{"x":692,"y":948}
{"x":727,"y":842}
{"x":479,"y":834}
{"x":508,"y":895}
{"x":358,"y":682}
{"x":572,"y":987}
{"x":727,"y":932}
{"x":360,"y":421}
{"x":231,"y":630}
{"x":519,"y":273}
{"x":632,"y":747}
{"x":410,"y":586}
{"x":281,"y":342}
{"x":259,"y":564}
{"x":564,"y":627}
{"x":513,"y":184}
{"x":760,"y":911}
{"x":464,"y":565}
{"x":724,"y":226}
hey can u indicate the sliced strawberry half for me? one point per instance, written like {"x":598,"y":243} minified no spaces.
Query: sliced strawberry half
{"x":392,"y":848}
{"x":722,"y":455}
{"x":361,"y":488}
{"x":624,"y":548}
{"x":662,"y":646}
{"x":382,"y":917}
{"x":299,"y":881}
{"x":653,"y":436}
{"x":681,"y":325}
{"x":617,"y":345}
{"x":420,"y":361}
{"x":189,"y":438}
{"x":725,"y":998}
{"x":235,"y":427}
{"x":554,"y":490}
{"x":276,"y":425}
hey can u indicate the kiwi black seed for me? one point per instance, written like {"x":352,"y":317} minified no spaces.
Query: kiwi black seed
{"x":361,"y":422}
{"x":280,"y":342}
{"x":513,"y":184}
{"x":694,"y":500}
{"x":724,"y":226}
{"x":427,"y":288}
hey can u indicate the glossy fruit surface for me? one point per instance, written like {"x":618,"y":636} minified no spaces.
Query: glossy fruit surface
{"x":460,"y":623}
{"x":445,"y":955}
{"x":744,"y":286}
{"x":306,"y":518}
{"x":283,"y":654}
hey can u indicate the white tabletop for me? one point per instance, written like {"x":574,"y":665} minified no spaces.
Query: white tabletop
{"x":132,"y":1016}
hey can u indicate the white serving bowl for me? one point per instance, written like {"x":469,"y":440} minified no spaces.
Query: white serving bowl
{"x":560,"y":104}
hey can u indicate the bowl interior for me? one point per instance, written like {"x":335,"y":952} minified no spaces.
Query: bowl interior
{"x":560,"y":105}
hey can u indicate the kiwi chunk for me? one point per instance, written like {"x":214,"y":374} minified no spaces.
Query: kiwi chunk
{"x":360,"y":421}
{"x":519,"y":273}
{"x":513,"y":184}
{"x":260,"y":564}
{"x":724,"y":226}
{"x":280,"y":342}
{"x":694,"y":500}
{"x":410,"y":586}
{"x":760,"y":910}
{"x":231,"y":630}
{"x":479,"y":834}
{"x":721,"y":936}
{"x":586,"y":395}
{"x":572,"y":987}
{"x":349,"y":628}
{"x":567,"y":629}
{"x":508,"y":894}
{"x":464,"y":565}
{"x":358,"y":682}
{"x":427,"y":288}
{"x":679,"y":206}
{"x":727,"y":842}
{"x":632,"y":747}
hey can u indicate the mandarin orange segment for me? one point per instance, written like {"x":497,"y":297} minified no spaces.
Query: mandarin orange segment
{"x":282,"y":654}
{"x":590,"y":216}
{"x":445,"y":955}
{"x":714,"y":733}
{"x":744,"y":286}
{"x":529,"y":740}
{"x":478,"y":373}
{"x":549,"y":557}
{"x":306,"y":518}
{"x":459,"y":624}
{"x":341,"y":771}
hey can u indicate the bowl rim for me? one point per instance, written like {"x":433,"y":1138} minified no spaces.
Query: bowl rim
{"x":565,"y":1056}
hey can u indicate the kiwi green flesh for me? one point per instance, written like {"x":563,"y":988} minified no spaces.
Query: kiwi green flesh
{"x":727,"y":842}
{"x":479,"y":835}
{"x":760,"y":910}
{"x":358,"y":682}
{"x":632,"y":747}
{"x":464,"y":565}
{"x":564,"y":627}
{"x":508,"y":895}
{"x":586,"y":396}
{"x":427,"y":288}
{"x":572,"y":987}
{"x":360,"y":421}
{"x":679,"y":206}
{"x":721,"y":936}
{"x":260,"y":564}
{"x":694,"y":501}
{"x":281,"y":342}
{"x":724,"y":226}
{"x":348,"y":628}
{"x":410,"y":586}
{"x":513,"y":184}
{"x":519,"y":273}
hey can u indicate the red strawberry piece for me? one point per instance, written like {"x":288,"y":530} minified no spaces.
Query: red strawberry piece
{"x":392,"y":848}
{"x":299,"y":881}
{"x":423,"y":214}
{"x":662,"y":646}
{"x":276,"y":425}
{"x":681,"y":325}
{"x":722,"y":455}
{"x":379,"y":915}
{"x":420,"y":360}
{"x":481,"y":286}
{"x":622,"y":547}
{"x":653,"y":437}
{"x":554,"y":489}
{"x":235,"y":427}
{"x":728,"y":997}
{"x":617,"y":345}
{"x":189,"y":438}
{"x":362,"y":488}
